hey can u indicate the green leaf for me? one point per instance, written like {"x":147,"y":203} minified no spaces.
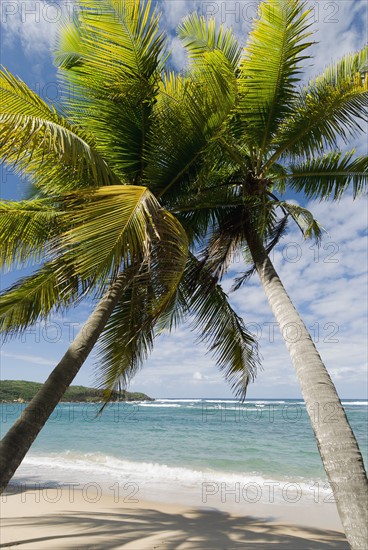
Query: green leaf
{"x":332,"y":106}
{"x":188,"y":116}
{"x":200,"y":36}
{"x":329,"y":176}
{"x":111,"y":58}
{"x":304,"y":219}
{"x":270,"y":68}
{"x":53,"y":288}
{"x":110,"y":230}
{"x":36,"y":141}
{"x":25,"y":229}
{"x":152,"y":284}
{"x":129,"y":334}
{"x":232,"y":346}
{"x":115,"y":227}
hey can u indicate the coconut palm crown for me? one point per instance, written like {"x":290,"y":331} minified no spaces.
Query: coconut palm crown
{"x":95,"y":226}
{"x":140,"y":168}
{"x":95,"y":162}
{"x":280,"y":136}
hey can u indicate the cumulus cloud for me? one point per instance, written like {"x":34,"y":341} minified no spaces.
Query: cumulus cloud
{"x":337,"y":25}
{"x":33,"y":23}
{"x":328,"y":285}
{"x":338,"y":29}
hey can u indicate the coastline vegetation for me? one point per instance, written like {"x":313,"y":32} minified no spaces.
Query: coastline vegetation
{"x":22,"y":391}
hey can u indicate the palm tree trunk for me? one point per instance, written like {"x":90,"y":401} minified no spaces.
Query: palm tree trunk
{"x":19,"y":438}
{"x":337,"y":445}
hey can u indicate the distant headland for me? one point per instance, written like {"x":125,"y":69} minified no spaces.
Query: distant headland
{"x":21,"y":391}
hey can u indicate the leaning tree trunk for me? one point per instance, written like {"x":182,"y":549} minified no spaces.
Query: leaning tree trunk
{"x":337,"y":445}
{"x":18,"y":440}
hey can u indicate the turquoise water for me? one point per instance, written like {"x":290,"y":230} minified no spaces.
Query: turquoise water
{"x":178,"y":445}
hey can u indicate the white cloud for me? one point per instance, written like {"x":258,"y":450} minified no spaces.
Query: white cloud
{"x":178,"y":54}
{"x":337,"y":30}
{"x":34,"y":23}
{"x":323,"y":290}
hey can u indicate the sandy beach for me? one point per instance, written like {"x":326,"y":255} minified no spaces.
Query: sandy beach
{"x":64,"y":519}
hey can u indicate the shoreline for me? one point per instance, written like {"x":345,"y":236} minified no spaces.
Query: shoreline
{"x":173,"y":477}
{"x":152,"y":481}
{"x":59,"y":518}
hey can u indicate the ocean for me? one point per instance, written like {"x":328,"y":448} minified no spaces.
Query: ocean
{"x":201,"y":452}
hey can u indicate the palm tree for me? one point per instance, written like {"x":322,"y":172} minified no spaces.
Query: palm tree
{"x":280,"y":136}
{"x":215,"y":147}
{"x":92,"y":222}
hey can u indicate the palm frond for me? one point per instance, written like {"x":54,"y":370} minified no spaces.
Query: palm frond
{"x":36,"y":141}
{"x":216,"y":184}
{"x":270,"y":67}
{"x":114,"y":228}
{"x":332,"y":106}
{"x":111,"y":57}
{"x":130,"y":334}
{"x":109,"y":231}
{"x":25,"y":229}
{"x":200,"y":36}
{"x":128,"y":337}
{"x":55,"y":287}
{"x":329,"y":176}
{"x":277,"y":174}
{"x":224,"y":241}
{"x":188,"y":116}
{"x":232,"y":346}
{"x":69,"y":47}
{"x":308,"y":225}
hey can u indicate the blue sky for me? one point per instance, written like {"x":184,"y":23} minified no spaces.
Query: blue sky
{"x":327,"y":285}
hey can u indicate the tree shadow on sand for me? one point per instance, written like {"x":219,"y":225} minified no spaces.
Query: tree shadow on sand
{"x":149,"y":529}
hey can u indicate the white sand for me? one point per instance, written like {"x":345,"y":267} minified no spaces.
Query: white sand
{"x":56,"y":519}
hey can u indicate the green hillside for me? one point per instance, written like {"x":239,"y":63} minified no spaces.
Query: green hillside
{"x":21,"y":390}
